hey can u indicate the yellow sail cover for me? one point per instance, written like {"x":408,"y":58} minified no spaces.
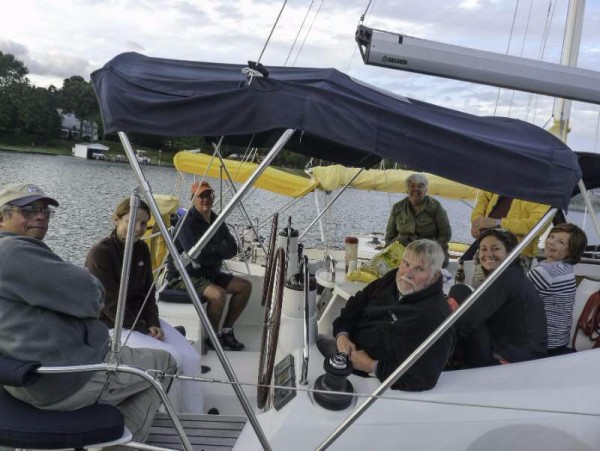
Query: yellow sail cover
{"x":326,"y":178}
{"x":272,"y":179}
{"x":390,"y":180}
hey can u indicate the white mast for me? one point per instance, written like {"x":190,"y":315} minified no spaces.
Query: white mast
{"x":570,"y":53}
{"x":562,"y":108}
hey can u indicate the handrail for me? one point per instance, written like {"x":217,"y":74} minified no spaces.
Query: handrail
{"x":134,"y":203}
{"x":126,"y":369}
{"x":305,"y":350}
{"x":442,"y":329}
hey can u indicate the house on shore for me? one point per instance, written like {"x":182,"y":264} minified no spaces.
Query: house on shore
{"x":73,"y":128}
{"x":94,"y":151}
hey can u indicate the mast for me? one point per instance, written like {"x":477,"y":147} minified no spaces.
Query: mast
{"x":570,"y":53}
{"x":562,"y":107}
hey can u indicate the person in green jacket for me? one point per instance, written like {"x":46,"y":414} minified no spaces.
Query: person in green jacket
{"x":418,"y":216}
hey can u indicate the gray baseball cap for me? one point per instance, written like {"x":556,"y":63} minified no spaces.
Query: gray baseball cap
{"x":21,"y":194}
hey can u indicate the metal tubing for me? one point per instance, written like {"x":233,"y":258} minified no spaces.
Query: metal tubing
{"x":180,"y":265}
{"x":195,"y":251}
{"x":305,"y":351}
{"x":270,"y":218}
{"x":134,"y":203}
{"x":589,"y":206}
{"x":126,"y":369}
{"x":330,"y":203}
{"x":241,"y":205}
{"x":323,"y":240}
{"x":442,"y":328}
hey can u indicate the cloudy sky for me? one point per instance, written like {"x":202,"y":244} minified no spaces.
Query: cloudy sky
{"x":59,"y":38}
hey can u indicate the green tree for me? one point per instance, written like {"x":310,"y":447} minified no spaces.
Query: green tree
{"x":77,"y":97}
{"x":37,"y":114}
{"x":13,"y":80}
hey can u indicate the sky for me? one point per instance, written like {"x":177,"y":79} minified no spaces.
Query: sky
{"x":56,"y":39}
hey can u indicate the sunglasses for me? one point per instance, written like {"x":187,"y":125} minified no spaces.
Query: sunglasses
{"x":30,"y":211}
{"x":207,"y":195}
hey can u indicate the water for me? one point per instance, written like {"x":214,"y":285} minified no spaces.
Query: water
{"x":89,"y":190}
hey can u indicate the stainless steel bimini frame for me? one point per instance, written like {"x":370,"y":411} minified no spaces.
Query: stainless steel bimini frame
{"x":181,"y":262}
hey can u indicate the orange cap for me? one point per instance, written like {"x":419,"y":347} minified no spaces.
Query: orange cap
{"x":198,"y":188}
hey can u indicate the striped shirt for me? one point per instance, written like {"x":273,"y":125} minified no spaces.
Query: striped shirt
{"x":555,"y":282}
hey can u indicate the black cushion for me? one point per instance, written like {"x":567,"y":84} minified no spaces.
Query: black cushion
{"x":174,"y":296}
{"x":24,"y":426}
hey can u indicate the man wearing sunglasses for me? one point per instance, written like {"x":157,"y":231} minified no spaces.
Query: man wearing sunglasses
{"x":211,"y":283}
{"x":49,"y":312}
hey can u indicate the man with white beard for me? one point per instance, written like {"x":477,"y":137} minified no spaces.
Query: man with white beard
{"x":386,"y":321}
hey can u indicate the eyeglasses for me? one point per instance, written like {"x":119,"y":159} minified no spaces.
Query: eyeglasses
{"x":207,"y":195}
{"x":30,"y":211}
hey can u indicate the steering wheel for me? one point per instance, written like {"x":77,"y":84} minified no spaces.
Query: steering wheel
{"x":269,"y":258}
{"x":270,"y":335}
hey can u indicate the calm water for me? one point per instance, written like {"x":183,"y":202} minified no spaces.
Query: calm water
{"x":88,"y":191}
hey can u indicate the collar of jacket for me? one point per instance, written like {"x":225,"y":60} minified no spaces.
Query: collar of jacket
{"x":434,"y":288}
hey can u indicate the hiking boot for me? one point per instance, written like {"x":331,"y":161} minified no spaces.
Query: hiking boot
{"x":228,"y":342}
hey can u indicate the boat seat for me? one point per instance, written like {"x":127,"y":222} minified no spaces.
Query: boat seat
{"x":174,"y":296}
{"x":176,"y":308}
{"x":584,"y":290}
{"x":25,"y":426}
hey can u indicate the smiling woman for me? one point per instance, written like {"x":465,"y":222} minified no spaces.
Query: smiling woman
{"x":554,"y":279}
{"x":508,"y":323}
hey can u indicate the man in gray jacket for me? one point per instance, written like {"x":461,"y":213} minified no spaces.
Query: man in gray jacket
{"x":49,"y":312}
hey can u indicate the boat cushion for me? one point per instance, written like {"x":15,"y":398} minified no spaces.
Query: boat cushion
{"x":25,"y":426}
{"x":174,"y":296}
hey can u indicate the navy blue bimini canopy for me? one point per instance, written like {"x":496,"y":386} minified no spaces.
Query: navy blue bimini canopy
{"x":338,"y":119}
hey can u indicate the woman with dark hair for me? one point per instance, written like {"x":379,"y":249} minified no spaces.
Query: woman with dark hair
{"x":554,"y":280}
{"x":105,"y":260}
{"x":507,"y":324}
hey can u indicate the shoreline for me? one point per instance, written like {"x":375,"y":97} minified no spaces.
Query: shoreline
{"x":68,"y":153}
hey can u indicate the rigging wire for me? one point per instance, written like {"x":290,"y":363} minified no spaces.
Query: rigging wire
{"x":365,"y":395}
{"x":272,"y":30}
{"x":362,"y":18}
{"x":512,"y":97}
{"x":298,"y":34}
{"x":512,"y":28}
{"x":308,"y":33}
{"x":549,"y":17}
{"x":360,"y":22}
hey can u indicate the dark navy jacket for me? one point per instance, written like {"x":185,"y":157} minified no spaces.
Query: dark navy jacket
{"x":389,"y":329}
{"x":513,"y":313}
{"x":221,"y":246}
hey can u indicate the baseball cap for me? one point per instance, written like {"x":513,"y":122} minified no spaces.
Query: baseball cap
{"x":21,"y":194}
{"x":198,"y":188}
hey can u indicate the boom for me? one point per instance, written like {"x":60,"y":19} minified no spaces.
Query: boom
{"x":402,"y":52}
